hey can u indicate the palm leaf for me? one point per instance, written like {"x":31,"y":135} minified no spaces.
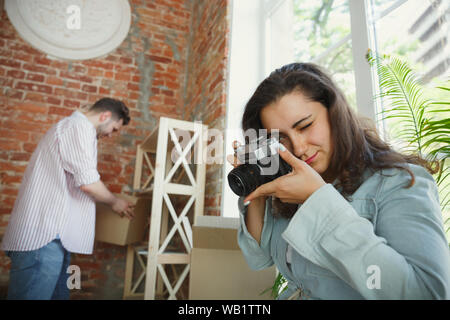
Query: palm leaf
{"x":405,"y":97}
{"x":413,"y":116}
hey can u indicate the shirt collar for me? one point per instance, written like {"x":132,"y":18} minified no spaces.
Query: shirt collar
{"x":80,"y":115}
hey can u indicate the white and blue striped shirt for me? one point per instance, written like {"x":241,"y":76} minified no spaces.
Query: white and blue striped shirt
{"x":50,"y":201}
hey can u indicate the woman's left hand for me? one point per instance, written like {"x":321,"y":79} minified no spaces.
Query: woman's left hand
{"x":294,"y":187}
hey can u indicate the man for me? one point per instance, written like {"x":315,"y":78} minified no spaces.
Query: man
{"x":54,"y":213}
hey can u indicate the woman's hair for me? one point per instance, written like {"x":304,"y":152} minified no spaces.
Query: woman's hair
{"x":357,"y":145}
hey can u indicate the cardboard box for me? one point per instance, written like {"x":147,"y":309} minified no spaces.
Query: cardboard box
{"x":218,"y":267}
{"x":111,"y":228}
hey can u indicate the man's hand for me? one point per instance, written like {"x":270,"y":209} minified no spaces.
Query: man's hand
{"x":123,"y":208}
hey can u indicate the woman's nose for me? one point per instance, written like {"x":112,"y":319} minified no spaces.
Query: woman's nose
{"x":299,"y":146}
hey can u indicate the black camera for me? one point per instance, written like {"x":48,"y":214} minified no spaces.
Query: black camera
{"x":261,"y":163}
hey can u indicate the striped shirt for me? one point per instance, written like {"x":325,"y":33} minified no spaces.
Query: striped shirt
{"x":50,"y":201}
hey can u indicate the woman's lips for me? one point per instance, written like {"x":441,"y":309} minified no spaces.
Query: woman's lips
{"x":311,"y":159}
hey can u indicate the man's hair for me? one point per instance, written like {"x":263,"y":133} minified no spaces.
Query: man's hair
{"x":118,"y":109}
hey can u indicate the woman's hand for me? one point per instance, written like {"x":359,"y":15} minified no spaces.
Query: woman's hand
{"x":294,"y":187}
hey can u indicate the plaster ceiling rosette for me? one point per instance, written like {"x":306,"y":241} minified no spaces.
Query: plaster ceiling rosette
{"x":48,"y":25}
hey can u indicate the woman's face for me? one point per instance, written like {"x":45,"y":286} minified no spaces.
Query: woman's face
{"x":304,"y":128}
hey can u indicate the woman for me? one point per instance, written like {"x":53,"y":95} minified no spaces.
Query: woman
{"x":354,"y":219}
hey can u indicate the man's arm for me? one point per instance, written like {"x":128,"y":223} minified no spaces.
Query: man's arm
{"x":100,"y":193}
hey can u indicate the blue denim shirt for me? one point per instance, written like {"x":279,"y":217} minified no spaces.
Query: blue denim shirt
{"x":388,"y":242}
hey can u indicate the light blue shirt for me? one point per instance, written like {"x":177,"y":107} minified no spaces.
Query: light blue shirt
{"x":388,"y":242}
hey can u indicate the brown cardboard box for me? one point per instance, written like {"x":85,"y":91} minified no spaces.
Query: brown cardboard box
{"x":218,"y":267}
{"x":111,"y":228}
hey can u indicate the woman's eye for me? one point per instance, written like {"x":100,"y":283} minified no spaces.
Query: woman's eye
{"x":306,"y":126}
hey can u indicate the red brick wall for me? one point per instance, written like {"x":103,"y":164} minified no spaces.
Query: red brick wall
{"x":172,"y":63}
{"x":205,"y":82}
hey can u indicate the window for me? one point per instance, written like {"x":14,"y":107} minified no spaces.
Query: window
{"x":261,"y":40}
{"x":322,"y":34}
{"x":335,"y":34}
{"x":420,"y":38}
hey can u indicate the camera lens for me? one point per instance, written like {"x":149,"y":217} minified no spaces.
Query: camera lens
{"x":244,"y":179}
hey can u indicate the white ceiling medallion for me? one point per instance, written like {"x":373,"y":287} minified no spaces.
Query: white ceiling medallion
{"x":71,"y":29}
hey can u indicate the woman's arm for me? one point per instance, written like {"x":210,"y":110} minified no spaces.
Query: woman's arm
{"x":409,"y":250}
{"x":254,"y":236}
{"x":254,"y":219}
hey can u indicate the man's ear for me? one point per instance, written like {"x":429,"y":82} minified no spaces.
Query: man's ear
{"x":105,"y":116}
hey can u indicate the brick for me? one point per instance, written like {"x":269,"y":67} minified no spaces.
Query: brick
{"x":17,"y":74}
{"x":124,"y":68}
{"x":20,"y":156}
{"x":160,"y":59}
{"x":88,"y":88}
{"x":59,"y":64}
{"x":172,"y":85}
{"x":133,"y":86}
{"x":10,"y":191}
{"x":54,"y":81}
{"x":39,"y":68}
{"x":74,"y":76}
{"x":25,"y":126}
{"x":37,"y":97}
{"x":94,"y":72}
{"x":52,"y":100}
{"x":170,"y":101}
{"x":14,"y":94}
{"x":73,"y":85}
{"x":17,"y":55}
{"x":9,"y":145}
{"x":18,"y":135}
{"x":122,"y":76}
{"x":70,"y":94}
{"x":32,"y":96}
{"x":42,"y":61}
{"x":126,"y":60}
{"x":104,"y":91}
{"x":134,"y":95}
{"x":29,"y":147}
{"x":79,"y":69}
{"x":71,"y":103}
{"x":98,"y":64}
{"x":8,"y":201}
{"x":32,"y":108}
{"x":114,"y":188}
{"x":34,"y":87}
{"x":35,"y":77}
{"x":60,"y":111}
{"x":10,"y":63}
{"x":167,"y":93}
{"x":109,"y":74}
{"x":8,"y":166}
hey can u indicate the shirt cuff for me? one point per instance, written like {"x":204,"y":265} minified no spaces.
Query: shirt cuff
{"x":86,"y":177}
{"x":257,"y":255}
{"x":316,"y":217}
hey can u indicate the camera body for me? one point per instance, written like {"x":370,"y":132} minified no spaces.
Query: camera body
{"x":261,"y":163}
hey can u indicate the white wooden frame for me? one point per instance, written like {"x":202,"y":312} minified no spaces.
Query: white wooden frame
{"x":163,"y":172}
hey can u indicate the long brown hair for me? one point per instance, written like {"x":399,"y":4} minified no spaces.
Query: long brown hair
{"x":357,"y":145}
